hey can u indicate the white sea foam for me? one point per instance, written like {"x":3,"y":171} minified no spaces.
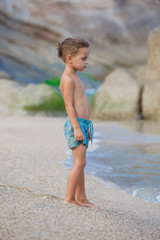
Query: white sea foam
{"x":110,"y":168}
{"x":136,"y":191}
{"x":97,"y":134}
{"x":148,"y":194}
{"x":158,"y":198}
{"x":97,"y":141}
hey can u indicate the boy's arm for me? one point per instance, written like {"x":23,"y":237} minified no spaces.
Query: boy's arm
{"x":68,"y":100}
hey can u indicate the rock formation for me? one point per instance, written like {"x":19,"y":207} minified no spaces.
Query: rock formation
{"x":18,"y":99}
{"x":118,"y":97}
{"x":118,"y":32}
{"x":151,"y":93}
{"x":116,"y":29}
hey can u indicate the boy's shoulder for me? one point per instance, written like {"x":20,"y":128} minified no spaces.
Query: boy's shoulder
{"x":66,"y":82}
{"x":66,"y":79}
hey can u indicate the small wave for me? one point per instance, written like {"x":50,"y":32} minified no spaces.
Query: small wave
{"x":110,"y":168}
{"x":97,"y":134}
{"x":148,"y":194}
{"x":97,"y":141}
{"x":158,"y":197}
{"x":135,"y":192}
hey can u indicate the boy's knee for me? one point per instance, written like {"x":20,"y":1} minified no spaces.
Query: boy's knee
{"x":81,"y":163}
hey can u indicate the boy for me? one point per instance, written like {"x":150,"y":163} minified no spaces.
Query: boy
{"x":78,"y":128}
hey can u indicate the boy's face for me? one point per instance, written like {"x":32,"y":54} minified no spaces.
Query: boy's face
{"x":79,"y":62}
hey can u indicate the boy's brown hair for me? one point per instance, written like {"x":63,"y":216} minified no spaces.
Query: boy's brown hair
{"x":70,"y":46}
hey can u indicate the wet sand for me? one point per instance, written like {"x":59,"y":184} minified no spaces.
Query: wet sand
{"x":32,"y":188}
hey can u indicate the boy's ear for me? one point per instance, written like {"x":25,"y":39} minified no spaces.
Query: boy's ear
{"x":69,"y":58}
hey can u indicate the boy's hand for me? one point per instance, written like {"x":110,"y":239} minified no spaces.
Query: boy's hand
{"x":78,"y":134}
{"x":89,"y":135}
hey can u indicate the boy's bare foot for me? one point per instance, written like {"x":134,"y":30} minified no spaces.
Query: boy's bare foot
{"x":86,"y":203}
{"x":72,"y":202}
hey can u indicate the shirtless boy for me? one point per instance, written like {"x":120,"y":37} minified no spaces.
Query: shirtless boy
{"x":78,"y":128}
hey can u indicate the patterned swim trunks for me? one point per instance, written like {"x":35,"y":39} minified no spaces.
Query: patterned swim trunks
{"x":69,"y":132}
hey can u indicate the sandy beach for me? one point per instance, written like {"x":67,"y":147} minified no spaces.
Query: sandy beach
{"x":33,"y":183}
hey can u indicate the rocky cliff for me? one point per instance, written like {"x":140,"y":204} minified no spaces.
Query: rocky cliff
{"x":116,"y":29}
{"x":133,"y":93}
{"x":151,"y":93}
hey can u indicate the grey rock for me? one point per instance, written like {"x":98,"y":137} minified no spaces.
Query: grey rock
{"x":118,"y":97}
{"x":151,"y":93}
{"x":117,"y":31}
{"x":15,"y":96}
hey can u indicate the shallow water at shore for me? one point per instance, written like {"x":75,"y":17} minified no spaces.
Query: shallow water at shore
{"x":128,"y":155}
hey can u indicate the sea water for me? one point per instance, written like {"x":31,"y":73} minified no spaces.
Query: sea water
{"x":128,"y":155}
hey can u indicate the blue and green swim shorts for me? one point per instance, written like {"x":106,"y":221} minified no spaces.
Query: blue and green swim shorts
{"x":85,"y":125}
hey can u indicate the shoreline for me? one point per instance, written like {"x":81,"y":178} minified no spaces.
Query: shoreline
{"x":136,"y":136}
{"x":113,"y":185}
{"x":135,"y":191}
{"x":33,"y":182}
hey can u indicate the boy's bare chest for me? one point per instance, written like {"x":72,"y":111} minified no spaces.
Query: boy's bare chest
{"x":79,"y":88}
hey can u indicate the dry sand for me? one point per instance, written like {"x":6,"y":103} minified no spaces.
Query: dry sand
{"x":33,"y":182}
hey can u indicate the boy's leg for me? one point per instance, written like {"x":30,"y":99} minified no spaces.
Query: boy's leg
{"x":80,"y":190}
{"x":79,"y":154}
{"x":81,"y":195}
